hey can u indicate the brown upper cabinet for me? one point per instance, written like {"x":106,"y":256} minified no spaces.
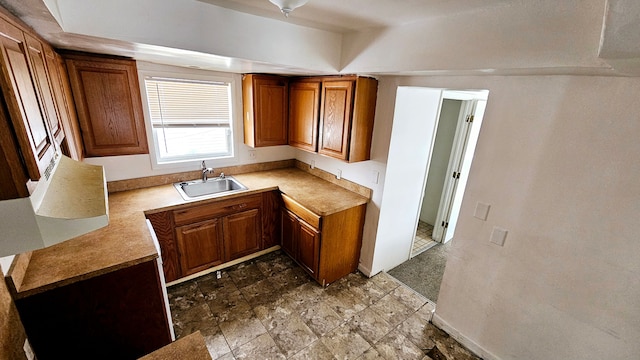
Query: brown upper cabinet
{"x":304,"y":113}
{"x":346,"y":118}
{"x":108,"y":103}
{"x":72,"y":143}
{"x":24,"y":112}
{"x":265,"y":101}
{"x":333,"y":116}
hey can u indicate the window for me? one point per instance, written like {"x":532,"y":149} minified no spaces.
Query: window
{"x":190,"y":119}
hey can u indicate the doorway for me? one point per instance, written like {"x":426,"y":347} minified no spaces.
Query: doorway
{"x":461,"y":112}
{"x":448,"y":141}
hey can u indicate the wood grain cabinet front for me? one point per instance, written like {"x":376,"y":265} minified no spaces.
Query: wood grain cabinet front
{"x":327,"y":247}
{"x":346,"y":120}
{"x":108,"y":103}
{"x":199,"y":237}
{"x":25,"y":116}
{"x":200,"y":246}
{"x":333,"y":116}
{"x":304,"y":113}
{"x":265,"y":99}
{"x":33,"y":117}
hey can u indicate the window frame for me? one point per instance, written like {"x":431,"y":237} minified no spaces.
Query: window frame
{"x":162,"y":71}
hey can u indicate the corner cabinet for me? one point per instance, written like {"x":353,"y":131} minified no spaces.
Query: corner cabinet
{"x":107,"y":97}
{"x":326,"y":247}
{"x":333,"y":116}
{"x":346,"y":118}
{"x":265,"y":102}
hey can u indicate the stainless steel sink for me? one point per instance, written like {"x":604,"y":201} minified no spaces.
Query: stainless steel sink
{"x":190,"y":190}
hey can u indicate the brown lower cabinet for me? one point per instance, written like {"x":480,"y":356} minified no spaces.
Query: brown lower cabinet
{"x":198,"y":237}
{"x":327,"y":247}
{"x":118,"y":315}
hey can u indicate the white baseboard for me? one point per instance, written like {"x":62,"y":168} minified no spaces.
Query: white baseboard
{"x":468,"y":343}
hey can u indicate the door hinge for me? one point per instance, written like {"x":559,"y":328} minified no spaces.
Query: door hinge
{"x":456,"y":175}
{"x":469,"y":118}
{"x":445,"y":224}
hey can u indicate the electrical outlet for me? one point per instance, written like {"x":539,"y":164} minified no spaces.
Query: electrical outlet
{"x":312,"y":164}
{"x":482,"y":211}
{"x":499,"y":235}
{"x":339,"y":174}
{"x":218,"y":274}
{"x":252,"y":154}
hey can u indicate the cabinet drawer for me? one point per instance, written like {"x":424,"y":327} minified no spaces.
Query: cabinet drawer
{"x":215,"y":209}
{"x":302,"y":212}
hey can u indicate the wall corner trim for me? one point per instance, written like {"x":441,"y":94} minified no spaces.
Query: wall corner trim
{"x":468,"y":343}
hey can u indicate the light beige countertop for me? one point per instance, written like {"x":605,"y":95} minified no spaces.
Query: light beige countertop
{"x":190,"y":347}
{"x":126,"y":241}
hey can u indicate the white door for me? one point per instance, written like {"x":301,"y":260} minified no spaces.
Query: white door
{"x":469,"y":122}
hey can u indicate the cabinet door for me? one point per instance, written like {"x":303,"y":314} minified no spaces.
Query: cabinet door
{"x":200,"y":246}
{"x":107,"y":98}
{"x":265,"y":100}
{"x":242,"y":234}
{"x":304,"y":112}
{"x":289,"y":230}
{"x":42,"y":82}
{"x":337,"y":105}
{"x":72,"y":144}
{"x":308,"y":243}
{"x":36,"y":143}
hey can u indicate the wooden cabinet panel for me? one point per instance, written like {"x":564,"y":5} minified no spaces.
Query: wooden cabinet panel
{"x":109,"y":106}
{"x":271,"y":219}
{"x":308,"y":248}
{"x":289,"y":229}
{"x":118,"y":315}
{"x":304,"y":113}
{"x":265,"y":102}
{"x":163,"y":227}
{"x":242,"y":234}
{"x":42,"y":82}
{"x":335,"y":122}
{"x":23,"y":105}
{"x":327,"y":252}
{"x":200,"y":246}
{"x":220,"y":208}
{"x":72,"y":144}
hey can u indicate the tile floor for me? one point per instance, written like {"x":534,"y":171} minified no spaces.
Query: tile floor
{"x":423,"y":240}
{"x":269,"y":308}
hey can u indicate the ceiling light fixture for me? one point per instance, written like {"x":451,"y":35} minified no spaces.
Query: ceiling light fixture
{"x":287,"y":6}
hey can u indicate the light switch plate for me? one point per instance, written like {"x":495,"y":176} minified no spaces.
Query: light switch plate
{"x":498,"y":235}
{"x":482,"y":211}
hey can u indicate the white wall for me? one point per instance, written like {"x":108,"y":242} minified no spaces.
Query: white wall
{"x":546,"y":35}
{"x":203,"y":28}
{"x":557,"y":161}
{"x":442,"y":146}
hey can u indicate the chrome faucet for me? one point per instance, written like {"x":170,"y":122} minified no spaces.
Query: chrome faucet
{"x":205,"y":171}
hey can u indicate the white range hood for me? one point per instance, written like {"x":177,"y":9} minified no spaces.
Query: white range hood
{"x":71,"y":202}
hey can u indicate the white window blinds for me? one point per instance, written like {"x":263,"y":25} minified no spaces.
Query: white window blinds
{"x":191,"y":119}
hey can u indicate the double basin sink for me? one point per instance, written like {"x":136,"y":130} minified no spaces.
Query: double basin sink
{"x":196,"y":189}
